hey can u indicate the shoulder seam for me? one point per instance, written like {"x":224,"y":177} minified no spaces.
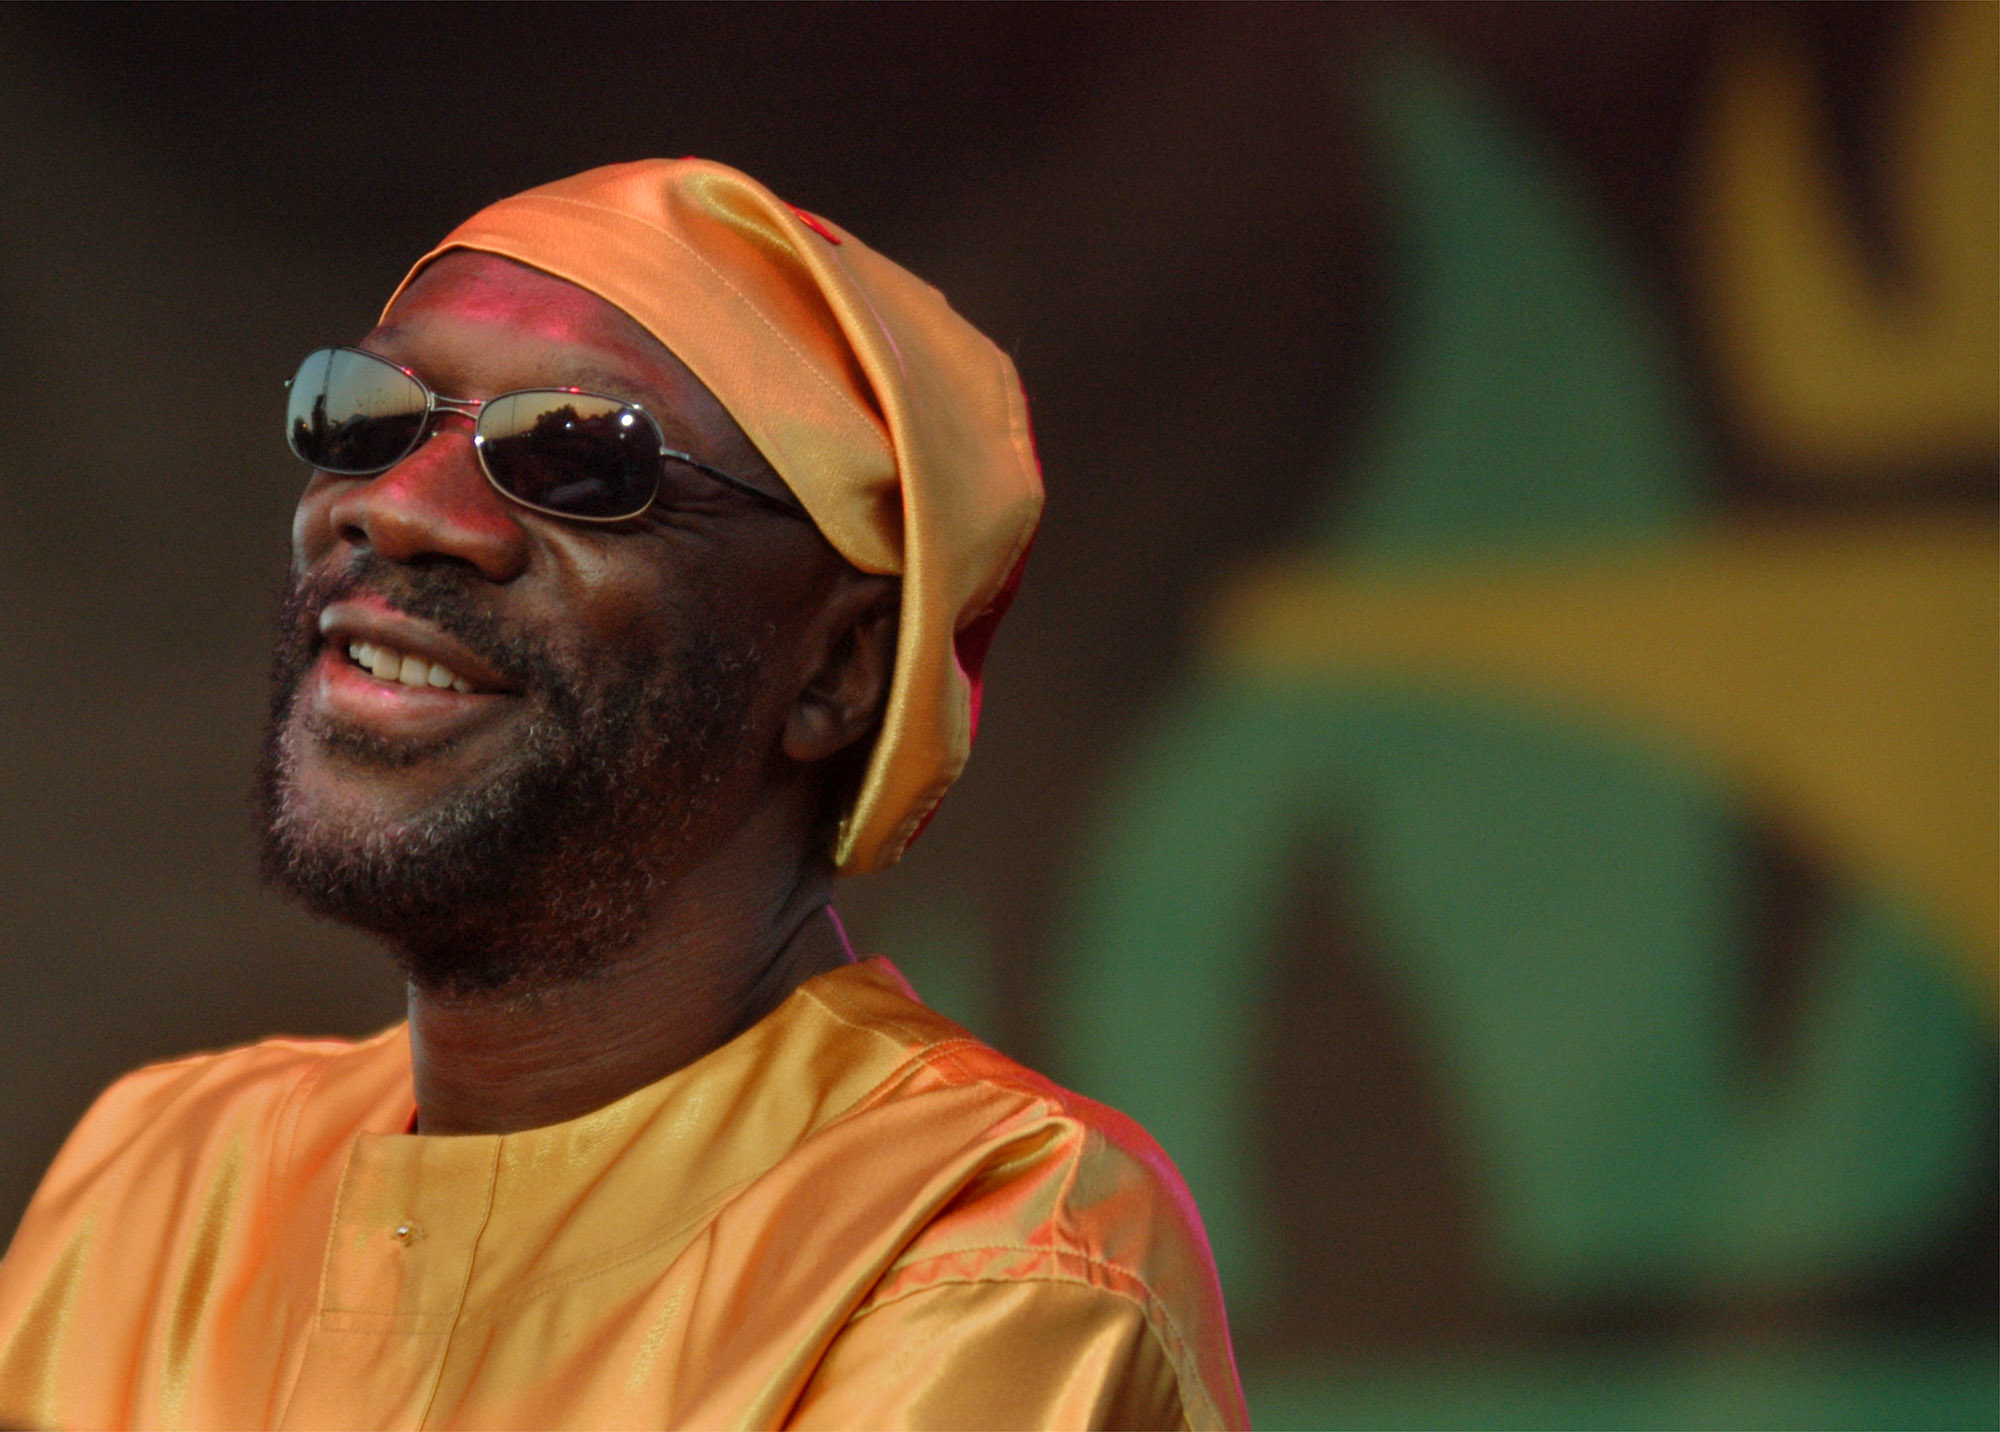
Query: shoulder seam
{"x":826,"y":999}
{"x":920,"y":1050}
{"x":923,"y":1050}
{"x":290,"y":1114}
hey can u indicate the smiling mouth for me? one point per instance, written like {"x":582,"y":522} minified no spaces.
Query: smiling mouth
{"x":386,"y":664}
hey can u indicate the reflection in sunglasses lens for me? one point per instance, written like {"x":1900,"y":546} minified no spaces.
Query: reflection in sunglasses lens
{"x":572,"y":453}
{"x":353,"y":413}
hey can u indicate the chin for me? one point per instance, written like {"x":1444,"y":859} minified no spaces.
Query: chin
{"x":517,"y":848}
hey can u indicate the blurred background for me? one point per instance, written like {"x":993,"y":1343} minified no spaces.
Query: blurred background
{"x":1495,"y":759}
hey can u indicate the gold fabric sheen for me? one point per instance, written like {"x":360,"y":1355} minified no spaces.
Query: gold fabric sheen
{"x":901,"y":428}
{"x":852,"y":1215}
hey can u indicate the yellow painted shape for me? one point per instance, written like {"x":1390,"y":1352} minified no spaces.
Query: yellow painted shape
{"x":1835,"y":370}
{"x":1845,"y":675}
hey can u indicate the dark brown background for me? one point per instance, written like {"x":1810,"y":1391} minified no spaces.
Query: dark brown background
{"x":1164,"y":213}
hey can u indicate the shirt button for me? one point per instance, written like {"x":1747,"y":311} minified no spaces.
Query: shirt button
{"x":406,"y":1232}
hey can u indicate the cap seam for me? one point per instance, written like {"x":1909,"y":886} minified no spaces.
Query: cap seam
{"x":722,"y":278}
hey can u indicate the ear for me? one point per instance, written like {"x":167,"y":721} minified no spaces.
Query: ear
{"x":850,"y":661}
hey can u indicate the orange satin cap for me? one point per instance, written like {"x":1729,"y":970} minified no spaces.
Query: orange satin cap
{"x":899,"y":425}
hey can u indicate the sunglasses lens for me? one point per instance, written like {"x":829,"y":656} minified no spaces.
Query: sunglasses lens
{"x":353,"y":413}
{"x":571,"y":453}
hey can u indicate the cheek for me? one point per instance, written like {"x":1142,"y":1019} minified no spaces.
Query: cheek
{"x":604,"y":598}
{"x":631,"y":588}
{"x":303,"y":532}
{"x":312,"y":527}
{"x":635,"y":603}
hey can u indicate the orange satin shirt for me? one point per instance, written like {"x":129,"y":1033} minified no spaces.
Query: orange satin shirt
{"x":852,"y":1215}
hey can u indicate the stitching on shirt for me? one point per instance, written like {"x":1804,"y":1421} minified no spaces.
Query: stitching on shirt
{"x":294,"y":1110}
{"x":640,"y":1248}
{"x":1170,"y":1335}
{"x":1172,"y":1338}
{"x":946,"y":1056}
{"x":848,"y":1015}
{"x":320,"y":1287}
{"x":628,"y":1253}
{"x":944,"y":1051}
{"x":1035,"y":1094}
{"x":929,"y":1052}
{"x":879,"y":1029}
{"x":458,"y":1305}
{"x":908,"y":1062}
{"x":291,"y":1114}
{"x":842,"y":398}
{"x":361,"y":1320}
{"x":1186,"y":1376}
{"x":940,"y":1054}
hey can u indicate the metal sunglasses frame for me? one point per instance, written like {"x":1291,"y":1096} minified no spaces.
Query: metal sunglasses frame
{"x":436,"y":403}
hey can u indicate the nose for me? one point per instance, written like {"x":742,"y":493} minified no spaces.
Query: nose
{"x":435,"y":503}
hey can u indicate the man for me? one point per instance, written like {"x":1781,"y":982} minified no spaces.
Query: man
{"x":655,"y":538}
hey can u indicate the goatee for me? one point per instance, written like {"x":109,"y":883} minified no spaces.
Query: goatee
{"x":537,"y":872}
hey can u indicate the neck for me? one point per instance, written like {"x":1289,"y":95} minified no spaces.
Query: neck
{"x":706,"y":971}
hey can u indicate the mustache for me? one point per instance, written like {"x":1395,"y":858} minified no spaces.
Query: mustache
{"x":440,"y":595}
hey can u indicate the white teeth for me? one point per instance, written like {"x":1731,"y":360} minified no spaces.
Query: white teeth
{"x":390,"y":665}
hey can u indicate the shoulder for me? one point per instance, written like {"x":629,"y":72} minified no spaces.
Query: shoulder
{"x":157,"y":1122}
{"x":996,"y":1124}
{"x":1035,"y":1192}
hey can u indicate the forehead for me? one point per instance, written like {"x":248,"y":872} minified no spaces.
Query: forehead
{"x":474,"y":324}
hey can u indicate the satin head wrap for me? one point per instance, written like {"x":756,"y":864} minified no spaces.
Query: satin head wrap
{"x":899,"y":425}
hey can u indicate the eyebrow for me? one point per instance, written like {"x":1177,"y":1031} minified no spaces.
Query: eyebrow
{"x":614,"y":385}
{"x":676,"y":432}
{"x":588,"y":375}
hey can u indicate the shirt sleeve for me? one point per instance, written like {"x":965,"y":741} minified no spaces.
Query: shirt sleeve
{"x":1003,"y":1354}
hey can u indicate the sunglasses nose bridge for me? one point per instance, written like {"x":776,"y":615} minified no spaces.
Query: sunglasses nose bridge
{"x":441,"y":408}
{"x":464,"y":407}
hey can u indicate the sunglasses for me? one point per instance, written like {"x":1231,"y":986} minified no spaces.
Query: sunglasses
{"x":583,"y":456}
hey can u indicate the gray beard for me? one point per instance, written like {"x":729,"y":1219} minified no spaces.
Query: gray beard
{"x":538,"y":872}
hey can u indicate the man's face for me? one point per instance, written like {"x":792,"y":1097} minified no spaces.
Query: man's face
{"x":545,"y":718}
